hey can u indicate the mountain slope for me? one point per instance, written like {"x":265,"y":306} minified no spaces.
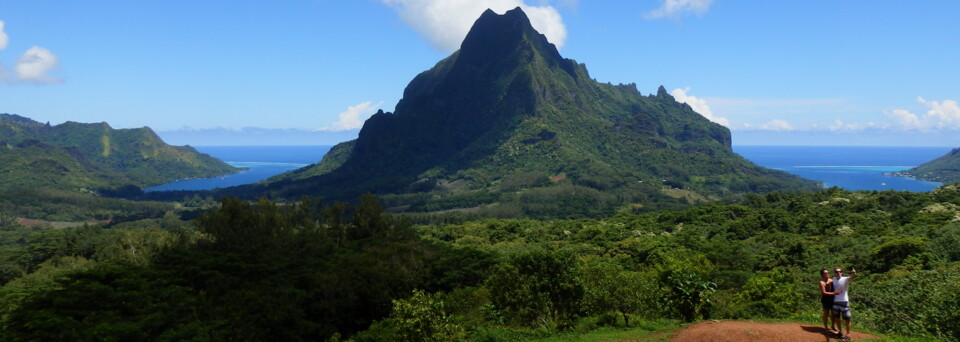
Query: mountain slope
{"x":945,"y":169}
{"x":506,"y":118}
{"x":93,"y":156}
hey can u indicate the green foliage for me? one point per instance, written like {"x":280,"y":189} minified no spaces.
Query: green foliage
{"x":608,"y":288}
{"x":422,"y":317}
{"x":94,"y":157}
{"x":943,"y":169}
{"x":775,"y":294}
{"x":258,"y":271}
{"x":58,"y":205}
{"x":312,"y":271}
{"x":912,"y":302}
{"x":537,"y":288}
{"x":897,"y":250}
{"x":687,"y":290}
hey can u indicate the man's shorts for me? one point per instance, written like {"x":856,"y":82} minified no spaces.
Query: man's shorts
{"x":841,"y":309}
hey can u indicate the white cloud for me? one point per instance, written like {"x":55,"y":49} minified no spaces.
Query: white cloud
{"x":353,"y":117}
{"x":34,"y":65}
{"x":904,"y":118}
{"x":699,"y":105}
{"x":776,"y":125}
{"x":446,"y":22}
{"x":840,"y":126}
{"x":676,"y":8}
{"x":939,"y":116}
{"x":4,"y":39}
{"x":944,"y":114}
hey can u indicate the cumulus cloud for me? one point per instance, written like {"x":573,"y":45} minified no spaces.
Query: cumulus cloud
{"x":699,"y":105}
{"x":944,"y":114}
{"x":776,"y":125}
{"x":940,"y":115}
{"x":446,"y":22}
{"x":34,"y":65}
{"x":904,"y":118}
{"x":353,"y":117}
{"x":676,"y":8}
{"x":4,"y":39}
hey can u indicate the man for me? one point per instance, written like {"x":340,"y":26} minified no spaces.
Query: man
{"x":841,"y":303}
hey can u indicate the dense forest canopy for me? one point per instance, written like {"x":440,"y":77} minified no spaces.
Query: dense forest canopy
{"x":315,"y":271}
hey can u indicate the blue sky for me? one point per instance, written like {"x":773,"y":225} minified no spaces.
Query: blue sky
{"x":309,"y":71}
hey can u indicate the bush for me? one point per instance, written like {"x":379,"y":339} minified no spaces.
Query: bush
{"x":537,"y":288}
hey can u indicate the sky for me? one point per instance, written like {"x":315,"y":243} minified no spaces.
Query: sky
{"x":309,"y":72}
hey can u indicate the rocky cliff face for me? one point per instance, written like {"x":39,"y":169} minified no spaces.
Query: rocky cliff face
{"x":507,"y":105}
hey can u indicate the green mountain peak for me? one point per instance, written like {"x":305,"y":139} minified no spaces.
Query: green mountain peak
{"x":507,"y":117}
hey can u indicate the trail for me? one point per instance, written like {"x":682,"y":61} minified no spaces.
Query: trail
{"x":755,"y":331}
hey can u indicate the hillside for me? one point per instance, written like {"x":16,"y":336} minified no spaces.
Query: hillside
{"x":507,"y":119}
{"x":96,"y":157}
{"x":321,"y":271}
{"x":945,"y":169}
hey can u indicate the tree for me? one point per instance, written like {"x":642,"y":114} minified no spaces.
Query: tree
{"x":608,"y":287}
{"x":537,"y":288}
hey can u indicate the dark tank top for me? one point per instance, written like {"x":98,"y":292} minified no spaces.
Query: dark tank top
{"x":828,"y":288}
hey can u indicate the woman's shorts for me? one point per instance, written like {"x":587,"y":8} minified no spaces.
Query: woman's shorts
{"x":827,"y":303}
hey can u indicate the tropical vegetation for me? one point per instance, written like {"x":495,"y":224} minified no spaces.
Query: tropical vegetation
{"x":94,"y":158}
{"x":331,"y":271}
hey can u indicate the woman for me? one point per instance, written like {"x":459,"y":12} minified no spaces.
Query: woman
{"x":826,"y":297}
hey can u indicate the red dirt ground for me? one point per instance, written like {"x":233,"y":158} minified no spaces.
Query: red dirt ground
{"x":755,"y":331}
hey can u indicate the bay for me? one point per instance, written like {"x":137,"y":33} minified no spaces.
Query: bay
{"x":848,"y":167}
{"x":260,"y":162}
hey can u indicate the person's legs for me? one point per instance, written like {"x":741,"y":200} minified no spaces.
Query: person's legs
{"x":842,"y":310}
{"x":835,"y":316}
{"x":826,"y":313}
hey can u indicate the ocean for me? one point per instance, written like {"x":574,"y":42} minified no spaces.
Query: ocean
{"x":261,"y":162}
{"x":847,"y":167}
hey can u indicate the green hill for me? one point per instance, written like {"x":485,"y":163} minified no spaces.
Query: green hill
{"x":506,"y":119}
{"x":945,"y":169}
{"x":74,"y":156}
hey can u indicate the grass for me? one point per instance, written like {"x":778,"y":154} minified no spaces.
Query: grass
{"x":656,"y":330}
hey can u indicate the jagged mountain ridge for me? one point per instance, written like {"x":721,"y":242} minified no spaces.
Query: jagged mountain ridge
{"x":508,"y":108}
{"x":93,"y":156}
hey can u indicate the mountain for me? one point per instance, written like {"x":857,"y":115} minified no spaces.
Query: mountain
{"x":506,"y":119}
{"x":95,"y":157}
{"x":945,"y":169}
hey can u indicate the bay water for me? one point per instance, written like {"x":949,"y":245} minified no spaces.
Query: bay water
{"x":259,"y":163}
{"x":847,"y":167}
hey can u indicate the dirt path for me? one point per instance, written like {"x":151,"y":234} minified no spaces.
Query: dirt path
{"x":755,"y":331}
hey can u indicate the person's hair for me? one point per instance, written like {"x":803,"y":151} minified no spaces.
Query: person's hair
{"x":824,"y":271}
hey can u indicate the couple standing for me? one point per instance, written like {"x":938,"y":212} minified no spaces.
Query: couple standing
{"x":833,"y":298}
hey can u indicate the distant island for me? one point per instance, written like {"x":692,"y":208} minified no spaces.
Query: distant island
{"x":94,"y":157}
